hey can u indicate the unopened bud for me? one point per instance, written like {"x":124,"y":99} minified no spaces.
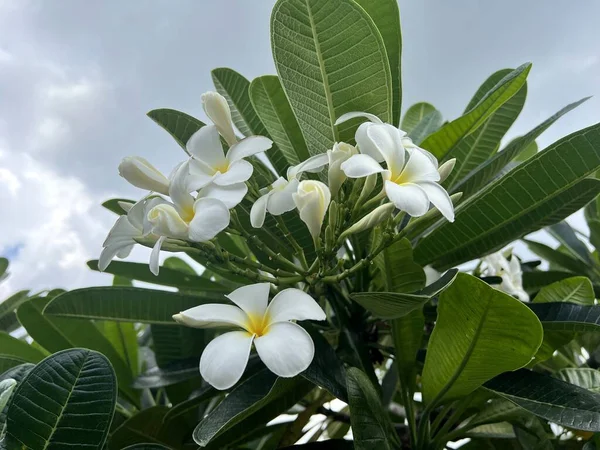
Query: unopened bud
{"x":144,"y":175}
{"x":446,"y":168}
{"x":371,"y":220}
{"x":217,"y":110}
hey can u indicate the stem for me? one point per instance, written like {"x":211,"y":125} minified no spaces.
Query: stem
{"x":288,"y":235}
{"x":410,"y":415}
{"x":441,"y":437}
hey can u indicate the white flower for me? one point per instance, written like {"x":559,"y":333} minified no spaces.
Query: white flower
{"x":144,"y":175}
{"x":211,"y":165}
{"x":312,"y":200}
{"x":121,"y":237}
{"x":510,"y":272}
{"x":411,"y":178}
{"x":195,"y":219}
{"x":217,"y":109}
{"x":285,"y":348}
{"x":339,"y":154}
{"x":279,"y":197}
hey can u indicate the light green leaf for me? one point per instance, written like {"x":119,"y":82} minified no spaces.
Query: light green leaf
{"x":386,"y":15}
{"x":478,"y":146}
{"x":123,"y":337}
{"x":275,"y":112}
{"x":442,"y":142}
{"x":415,"y":114}
{"x":430,"y":123}
{"x":541,"y":191}
{"x":21,"y":349}
{"x":251,"y":403}
{"x":166,"y":276}
{"x":371,"y":426}
{"x":6,"y":388}
{"x":393,"y":305}
{"x":397,"y":268}
{"x":113,"y":205}
{"x":567,"y":316}
{"x":126,"y":304}
{"x":581,"y":376}
{"x":58,"y":333}
{"x":331,"y":60}
{"x":527,"y":152}
{"x":471,"y":333}
{"x":481,"y":175}
{"x":178,"y":124}
{"x":407,"y":333}
{"x":549,"y":398}
{"x":577,"y":290}
{"x":66,"y":401}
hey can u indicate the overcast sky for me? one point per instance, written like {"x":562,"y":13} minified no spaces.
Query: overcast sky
{"x":77,"y":77}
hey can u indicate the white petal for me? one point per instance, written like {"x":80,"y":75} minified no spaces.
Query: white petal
{"x":312,"y":164}
{"x":440,"y":199}
{"x":352,"y":115}
{"x":140,"y":173}
{"x":286,"y":349}
{"x":419,"y":168}
{"x":106,"y":256}
{"x":212,"y":315}
{"x":217,"y":110}
{"x":282,"y":200}
{"x":136,"y":214}
{"x":294,"y":304}
{"x":238,"y":172}
{"x":200,"y":175}
{"x":224,"y":359}
{"x":231,"y":195}
{"x":154,"y":262}
{"x":312,"y":200}
{"x":248,"y":147}
{"x":124,"y":252}
{"x":408,"y":197}
{"x":365,"y":145}
{"x":205,"y":145}
{"x":149,"y":204}
{"x":121,"y":232}
{"x":179,"y":190}
{"x":166,"y":221}
{"x":253,"y":299}
{"x":359,"y":166}
{"x":388,"y":141}
{"x":429,"y":155}
{"x":211,"y":216}
{"x":259,"y":211}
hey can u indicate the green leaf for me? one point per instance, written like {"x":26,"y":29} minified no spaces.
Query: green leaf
{"x":146,"y":446}
{"x":398,"y":270}
{"x":178,"y":343}
{"x":66,"y":401}
{"x":3,"y":268}
{"x":57,"y":333}
{"x":331,"y":60}
{"x":330,"y":444}
{"x":581,"y":376}
{"x":123,"y":337}
{"x":113,"y":205}
{"x":21,"y":349}
{"x":556,"y":257}
{"x":407,"y":333}
{"x":393,"y":305}
{"x":541,"y":191}
{"x":8,"y":318}
{"x":415,"y":114}
{"x":178,"y":124}
{"x":527,"y":152}
{"x":481,"y":175}
{"x":443,"y":141}
{"x":564,"y":234}
{"x":498,"y":410}
{"x":550,"y":398}
{"x":470,"y":333}
{"x":535,"y":280}
{"x":567,"y":316}
{"x":126,"y":304}
{"x":8,"y":362}
{"x":180,"y":411}
{"x":480,"y":145}
{"x":386,"y":16}
{"x":577,"y":290}
{"x":275,"y":112}
{"x":18,"y":372}
{"x":430,"y":123}
{"x":6,"y":388}
{"x":166,"y":276}
{"x":253,"y":402}
{"x":170,"y":374}
{"x":371,"y":426}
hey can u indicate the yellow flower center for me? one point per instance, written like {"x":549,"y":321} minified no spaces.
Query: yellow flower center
{"x":257,"y":325}
{"x":222,"y":167}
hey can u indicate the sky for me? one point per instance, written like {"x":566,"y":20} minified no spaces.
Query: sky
{"x":77,"y":78}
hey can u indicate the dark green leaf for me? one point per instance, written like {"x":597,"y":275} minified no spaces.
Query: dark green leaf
{"x":407,"y":332}
{"x":8,"y":318}
{"x":113,"y":205}
{"x":581,"y":376}
{"x":535,"y":280}
{"x":567,"y":316}
{"x":556,"y":257}
{"x":564,"y":234}
{"x":172,"y":344}
{"x":178,"y":124}
{"x":21,"y":349}
{"x":171,"y":374}
{"x":330,"y":444}
{"x":66,"y":401}
{"x":146,"y":446}
{"x":17,"y":372}
{"x":398,"y":270}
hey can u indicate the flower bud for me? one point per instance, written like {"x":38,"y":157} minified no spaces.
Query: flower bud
{"x":144,"y":175}
{"x":371,"y":220}
{"x":312,"y":200}
{"x":340,"y":153}
{"x":166,"y":221}
{"x":445,"y":169}
{"x":217,"y":110}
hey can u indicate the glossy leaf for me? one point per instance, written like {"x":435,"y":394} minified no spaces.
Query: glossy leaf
{"x":443,"y":141}
{"x":178,"y":124}
{"x":471,"y":343}
{"x":371,"y":426}
{"x":480,"y":145}
{"x":275,"y":112}
{"x":481,"y":175}
{"x":415,"y":114}
{"x":66,"y":401}
{"x":18,"y":372}
{"x":323,"y":82}
{"x":552,"y":399}
{"x":577,"y":290}
{"x":392,"y":305}
{"x":567,"y":316}
{"x":541,"y":191}
{"x":126,"y":304}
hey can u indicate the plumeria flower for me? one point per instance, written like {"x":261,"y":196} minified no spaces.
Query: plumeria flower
{"x":121,"y":237}
{"x":196,"y":219}
{"x":217,"y":109}
{"x":312,"y":200}
{"x":496,"y":264}
{"x":140,"y":173}
{"x":285,"y":347}
{"x":340,"y":153}
{"x":278,"y":198}
{"x":411,"y":177}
